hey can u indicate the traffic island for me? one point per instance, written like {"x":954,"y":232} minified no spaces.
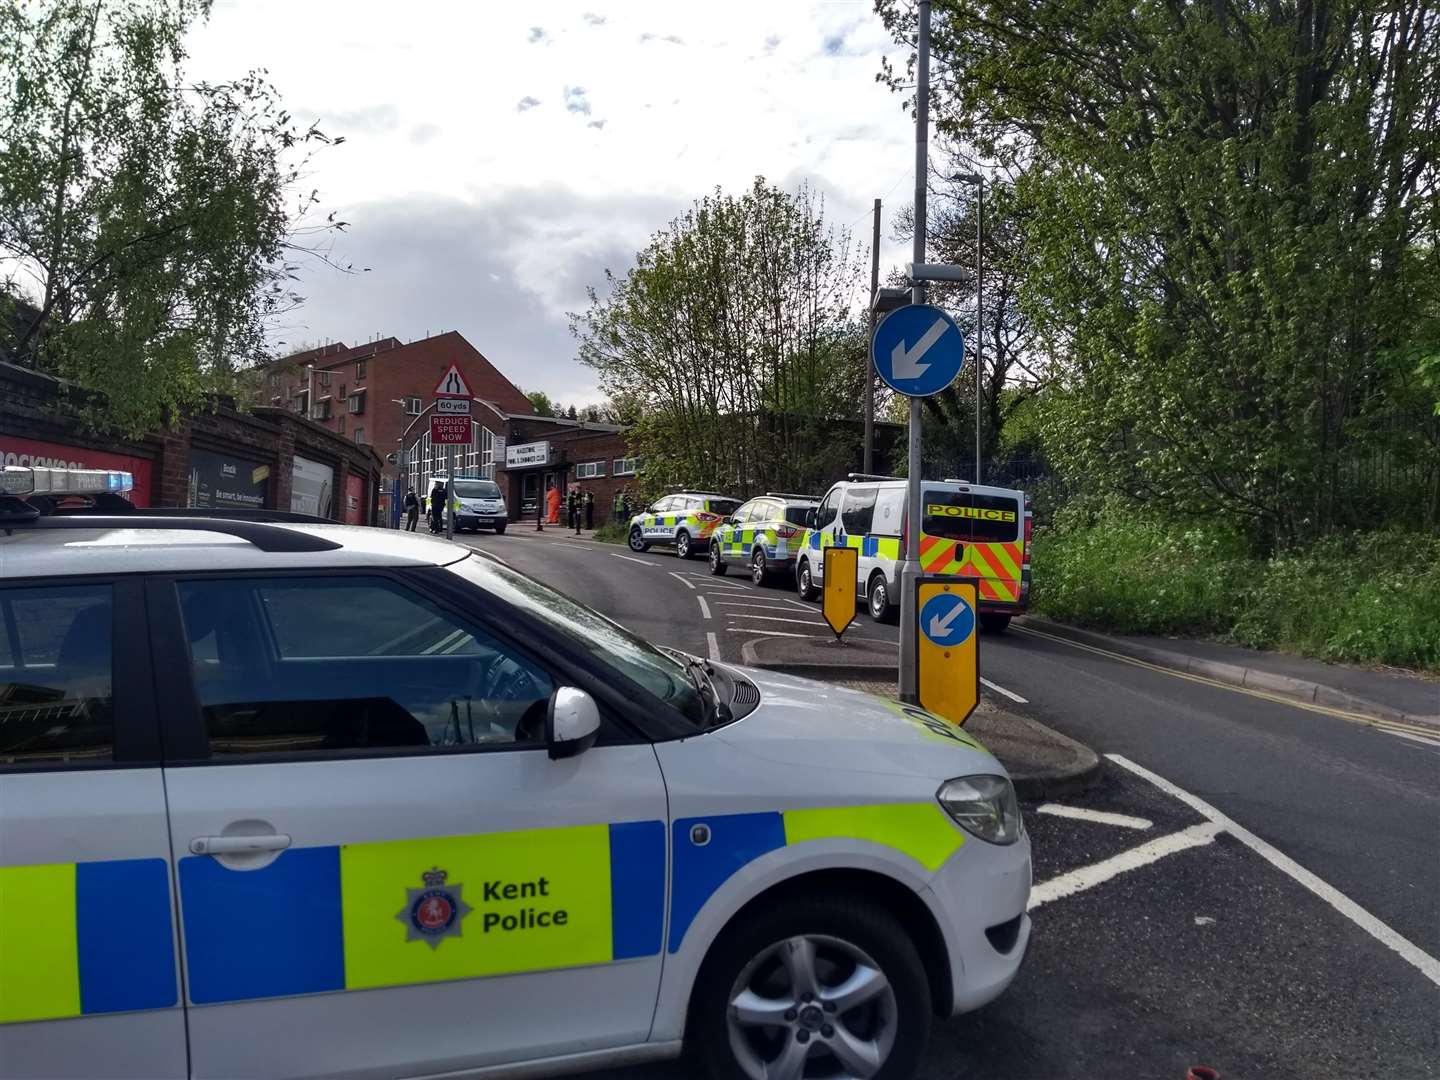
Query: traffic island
{"x":1043,"y":763}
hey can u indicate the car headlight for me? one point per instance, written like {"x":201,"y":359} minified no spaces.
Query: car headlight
{"x":984,"y":806}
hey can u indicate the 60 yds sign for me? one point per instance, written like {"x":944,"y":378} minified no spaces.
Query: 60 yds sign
{"x":449,"y":430}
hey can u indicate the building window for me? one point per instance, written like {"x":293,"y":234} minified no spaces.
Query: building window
{"x":321,"y":411}
{"x":324,"y":378}
{"x":625,"y":466}
{"x":340,"y":425}
{"x":413,"y":407}
{"x":342,"y":390}
{"x":274,"y":378}
{"x":359,"y":370}
{"x":357,"y":403}
{"x":588,"y":470}
{"x":359,"y":436}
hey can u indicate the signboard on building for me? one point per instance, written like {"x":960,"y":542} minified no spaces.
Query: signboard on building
{"x":524,"y":455}
{"x":449,"y":430}
{"x":223,"y":480}
{"x":27,"y":453}
{"x":452,"y":406}
{"x":312,"y":487}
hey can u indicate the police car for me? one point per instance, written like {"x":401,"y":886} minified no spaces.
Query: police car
{"x":686,"y":519}
{"x":764,"y":535}
{"x":966,"y":529}
{"x":288,"y":798}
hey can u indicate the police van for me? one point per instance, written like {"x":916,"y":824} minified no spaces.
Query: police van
{"x":966,"y":529}
{"x":286,"y":798}
{"x":685,"y":520}
{"x":478,"y":503}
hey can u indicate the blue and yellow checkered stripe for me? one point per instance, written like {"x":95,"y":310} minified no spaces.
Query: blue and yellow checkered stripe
{"x":871,"y":547}
{"x":324,"y":918}
{"x":922,"y":831}
{"x":77,"y":939}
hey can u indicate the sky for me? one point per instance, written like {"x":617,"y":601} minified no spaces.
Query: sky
{"x":500,"y":157}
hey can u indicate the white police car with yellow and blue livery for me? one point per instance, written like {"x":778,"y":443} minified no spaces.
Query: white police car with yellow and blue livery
{"x":685,"y":520}
{"x":287,"y":798}
{"x":764,"y":535}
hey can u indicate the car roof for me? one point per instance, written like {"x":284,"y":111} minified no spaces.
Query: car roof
{"x":35,"y":553}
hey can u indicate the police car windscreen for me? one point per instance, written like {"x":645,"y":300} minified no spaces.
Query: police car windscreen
{"x":477,"y":489}
{"x":973,"y":518}
{"x":723,"y":507}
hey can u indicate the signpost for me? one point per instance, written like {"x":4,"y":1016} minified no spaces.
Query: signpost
{"x":838,"y":604}
{"x":946,"y":646}
{"x":450,"y":427}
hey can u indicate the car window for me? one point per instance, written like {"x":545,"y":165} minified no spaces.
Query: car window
{"x":889,"y":511}
{"x":858,"y":511}
{"x":971,"y":517}
{"x":694,"y":502}
{"x":766,"y":510}
{"x":796,"y":513}
{"x":828,"y":506}
{"x":477,"y":489}
{"x":665,"y":505}
{"x":744,"y":513}
{"x":289,"y":665}
{"x":630,"y":657}
{"x":55,"y":675}
{"x":723,"y":507}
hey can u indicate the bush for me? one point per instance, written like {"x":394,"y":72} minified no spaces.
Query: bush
{"x":1367,"y":597}
{"x":612,"y":532}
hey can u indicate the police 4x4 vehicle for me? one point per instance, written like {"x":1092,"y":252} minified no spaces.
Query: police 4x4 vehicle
{"x":288,"y":798}
{"x":686,"y":519}
{"x":764,"y":535}
{"x":966,"y":529}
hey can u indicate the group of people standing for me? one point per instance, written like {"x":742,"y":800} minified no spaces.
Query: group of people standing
{"x":435,"y":512}
{"x":579,"y":507}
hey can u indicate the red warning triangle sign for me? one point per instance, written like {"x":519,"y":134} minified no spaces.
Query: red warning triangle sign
{"x":452,"y":384}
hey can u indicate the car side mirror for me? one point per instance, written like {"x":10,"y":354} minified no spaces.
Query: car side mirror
{"x":572,"y":722}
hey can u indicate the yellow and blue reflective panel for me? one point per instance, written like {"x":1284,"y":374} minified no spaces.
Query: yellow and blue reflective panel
{"x":346,"y":917}
{"x":921,"y":830}
{"x":77,"y":939}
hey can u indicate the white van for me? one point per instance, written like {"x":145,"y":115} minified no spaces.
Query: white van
{"x":969,"y":530}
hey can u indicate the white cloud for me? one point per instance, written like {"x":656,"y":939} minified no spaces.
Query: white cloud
{"x":451,"y":174}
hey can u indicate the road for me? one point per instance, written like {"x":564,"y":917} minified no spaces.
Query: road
{"x":1282,"y":980}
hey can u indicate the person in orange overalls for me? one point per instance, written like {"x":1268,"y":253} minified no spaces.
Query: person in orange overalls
{"x":552,"y":506}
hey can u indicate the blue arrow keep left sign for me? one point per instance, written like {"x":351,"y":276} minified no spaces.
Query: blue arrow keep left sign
{"x":917,"y":350}
{"x":947,"y":620}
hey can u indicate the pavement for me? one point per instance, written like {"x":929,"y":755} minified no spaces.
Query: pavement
{"x":1276,"y":913}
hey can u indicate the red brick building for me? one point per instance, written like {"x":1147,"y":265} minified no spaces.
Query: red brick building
{"x":373,"y":393}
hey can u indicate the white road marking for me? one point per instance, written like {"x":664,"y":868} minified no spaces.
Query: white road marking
{"x":1100,"y":817}
{"x":714,"y":643}
{"x":725,"y":585}
{"x":1087,"y":877}
{"x":1001,"y":690}
{"x":1407,"y":950}
{"x":749,"y":604}
{"x":773,"y":618}
{"x":770,"y":633}
{"x":704,"y":607}
{"x":1421,"y":739}
{"x":682,"y":581}
{"x":631,"y":558}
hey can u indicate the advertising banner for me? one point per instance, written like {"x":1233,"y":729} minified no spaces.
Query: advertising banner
{"x":312,"y":487}
{"x":30,"y":452}
{"x":221,"y":480}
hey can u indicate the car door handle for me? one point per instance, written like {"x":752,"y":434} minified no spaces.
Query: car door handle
{"x":238,"y":845}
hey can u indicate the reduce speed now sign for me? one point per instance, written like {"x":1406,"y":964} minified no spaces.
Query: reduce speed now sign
{"x":449,"y":430}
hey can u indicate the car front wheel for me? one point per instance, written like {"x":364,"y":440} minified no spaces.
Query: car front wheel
{"x":637,"y":540}
{"x":499,"y":530}
{"x":813,"y":986}
{"x":993,"y":623}
{"x":717,"y":564}
{"x":804,"y":583}
{"x":881,"y":610}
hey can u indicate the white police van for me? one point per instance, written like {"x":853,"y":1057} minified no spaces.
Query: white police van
{"x":287,"y":798}
{"x":478,"y":503}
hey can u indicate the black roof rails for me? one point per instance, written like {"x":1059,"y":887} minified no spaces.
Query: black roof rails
{"x":791,"y":495}
{"x":264,"y":535}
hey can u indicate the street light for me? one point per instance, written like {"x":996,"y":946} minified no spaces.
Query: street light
{"x":978,"y":183}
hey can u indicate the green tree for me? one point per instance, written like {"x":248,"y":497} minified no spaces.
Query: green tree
{"x":149,"y":219}
{"x":1219,"y":203}
{"x":733,"y":343}
{"x":540,"y":402}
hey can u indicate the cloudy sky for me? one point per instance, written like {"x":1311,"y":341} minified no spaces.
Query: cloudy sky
{"x":499,"y":157}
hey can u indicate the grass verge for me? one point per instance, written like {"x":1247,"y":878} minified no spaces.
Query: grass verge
{"x":612,"y":532}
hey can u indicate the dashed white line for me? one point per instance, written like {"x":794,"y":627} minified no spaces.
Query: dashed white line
{"x":773,"y":618}
{"x":631,"y":558}
{"x":1407,"y":950}
{"x":746,"y":603}
{"x":1008,"y":693}
{"x":704,"y":607}
{"x":769,"y":633}
{"x":1087,"y":877}
{"x":1100,"y":817}
{"x":682,"y":581}
{"x":714,"y":643}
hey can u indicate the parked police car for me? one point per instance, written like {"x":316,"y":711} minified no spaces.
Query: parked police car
{"x":764,"y":534}
{"x":686,"y":519}
{"x":300,"y":799}
{"x":967,"y":530}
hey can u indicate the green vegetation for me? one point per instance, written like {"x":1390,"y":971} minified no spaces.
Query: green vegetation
{"x":1362,"y":597}
{"x":612,"y":532}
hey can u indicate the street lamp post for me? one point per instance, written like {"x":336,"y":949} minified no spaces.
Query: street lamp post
{"x":978,"y":182}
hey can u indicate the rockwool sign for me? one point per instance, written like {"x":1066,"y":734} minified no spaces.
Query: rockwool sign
{"x":28,"y":453}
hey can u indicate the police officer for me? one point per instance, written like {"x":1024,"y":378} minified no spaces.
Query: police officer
{"x":437,"y":507}
{"x":624,"y":504}
{"x":572,"y":505}
{"x":412,"y":509}
{"x":589,"y":509}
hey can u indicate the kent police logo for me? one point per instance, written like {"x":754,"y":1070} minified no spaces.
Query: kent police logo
{"x":434,"y":911}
